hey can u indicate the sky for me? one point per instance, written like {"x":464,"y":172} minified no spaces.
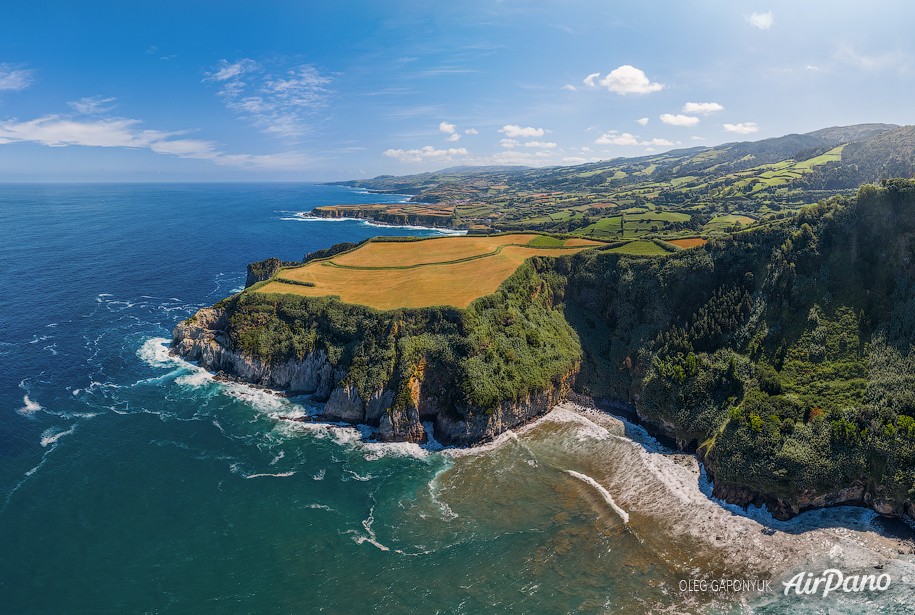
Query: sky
{"x":318,"y":91}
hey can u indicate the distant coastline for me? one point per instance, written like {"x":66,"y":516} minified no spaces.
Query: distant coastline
{"x":311,"y":216}
{"x":406,"y":215}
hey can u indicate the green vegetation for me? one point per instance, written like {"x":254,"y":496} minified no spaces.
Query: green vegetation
{"x":784,"y":352}
{"x":545,"y":241}
{"x":680,"y":193}
{"x":502,"y":347}
{"x":640,"y":248}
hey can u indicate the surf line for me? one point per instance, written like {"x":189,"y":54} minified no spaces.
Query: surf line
{"x":603,"y":492}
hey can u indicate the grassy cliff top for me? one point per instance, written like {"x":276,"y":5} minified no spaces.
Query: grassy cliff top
{"x":452,"y":271}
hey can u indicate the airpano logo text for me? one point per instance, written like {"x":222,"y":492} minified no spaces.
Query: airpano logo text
{"x":832,"y":580}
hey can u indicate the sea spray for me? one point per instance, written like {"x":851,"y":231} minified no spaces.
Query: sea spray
{"x":603,"y":492}
{"x":29,"y":406}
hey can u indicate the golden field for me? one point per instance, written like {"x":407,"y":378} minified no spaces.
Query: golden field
{"x":387,"y":275}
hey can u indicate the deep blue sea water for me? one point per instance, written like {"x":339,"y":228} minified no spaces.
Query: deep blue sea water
{"x":132,"y":482}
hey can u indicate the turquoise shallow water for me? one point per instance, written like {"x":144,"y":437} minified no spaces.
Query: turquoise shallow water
{"x":132,"y":482}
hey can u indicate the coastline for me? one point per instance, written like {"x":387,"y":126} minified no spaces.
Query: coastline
{"x":622,"y":416}
{"x":307,"y":216}
{"x":658,"y":493}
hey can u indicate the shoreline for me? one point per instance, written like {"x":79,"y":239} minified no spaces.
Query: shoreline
{"x":605,"y":413}
{"x":307,"y":216}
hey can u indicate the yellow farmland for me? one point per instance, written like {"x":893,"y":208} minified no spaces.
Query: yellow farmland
{"x":441,"y":271}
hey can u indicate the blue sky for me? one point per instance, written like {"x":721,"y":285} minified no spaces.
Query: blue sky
{"x":245,"y":91}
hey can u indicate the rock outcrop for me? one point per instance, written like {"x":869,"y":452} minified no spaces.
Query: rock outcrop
{"x":204,"y":338}
{"x":265,"y":269}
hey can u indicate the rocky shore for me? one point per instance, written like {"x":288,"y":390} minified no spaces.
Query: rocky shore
{"x":204,"y":338}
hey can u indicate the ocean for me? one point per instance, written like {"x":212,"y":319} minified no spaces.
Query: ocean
{"x":132,"y":482}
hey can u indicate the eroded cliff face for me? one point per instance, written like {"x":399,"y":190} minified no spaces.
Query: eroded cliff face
{"x":787,"y":507}
{"x":202,"y":338}
{"x":387,"y":217}
{"x":429,"y":392}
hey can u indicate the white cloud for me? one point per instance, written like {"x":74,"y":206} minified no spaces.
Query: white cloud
{"x":453,"y":137}
{"x":615,"y":138}
{"x":629,"y":80}
{"x":186,"y":148}
{"x":642,"y":121}
{"x":92,"y":105}
{"x":679,"y":120}
{"x":14,"y":79}
{"x":743,"y":128}
{"x":590,"y":79}
{"x":59,"y":131}
{"x":508,"y":143}
{"x":227,"y":71}
{"x":540,"y":144}
{"x":513,"y":131}
{"x":698,"y":138}
{"x":704,"y":108}
{"x":425,"y":153}
{"x":812,"y":67}
{"x":763,"y":21}
{"x":514,"y":157}
{"x":471,"y":131}
{"x":570,"y":87}
{"x":447,"y":128}
{"x":279,"y":104}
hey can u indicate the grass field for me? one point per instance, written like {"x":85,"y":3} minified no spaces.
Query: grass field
{"x":690,"y":242}
{"x":727,"y":221}
{"x":640,"y":248}
{"x":441,"y":271}
{"x":427,"y":251}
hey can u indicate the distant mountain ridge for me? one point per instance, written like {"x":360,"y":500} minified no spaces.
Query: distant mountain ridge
{"x":682,"y":189}
{"x":764,"y":151}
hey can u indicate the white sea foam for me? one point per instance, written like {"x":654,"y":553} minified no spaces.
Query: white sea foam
{"x":195,"y":379}
{"x":435,"y":490}
{"x":379,"y":450}
{"x":371,"y":538}
{"x":264,"y":474}
{"x":673,"y":496}
{"x":506,"y":437}
{"x":52,"y":435}
{"x":320,"y":474}
{"x":431,"y":443}
{"x":155,"y":352}
{"x":321,"y":507}
{"x":603,"y":492}
{"x":265,"y":401}
{"x":341,"y":433}
{"x":29,"y":406}
{"x":360,"y":477}
{"x":586,"y":427}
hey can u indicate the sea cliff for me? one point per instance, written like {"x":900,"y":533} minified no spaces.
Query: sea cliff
{"x":400,"y":371}
{"x":783,"y":355}
{"x":395,"y":215}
